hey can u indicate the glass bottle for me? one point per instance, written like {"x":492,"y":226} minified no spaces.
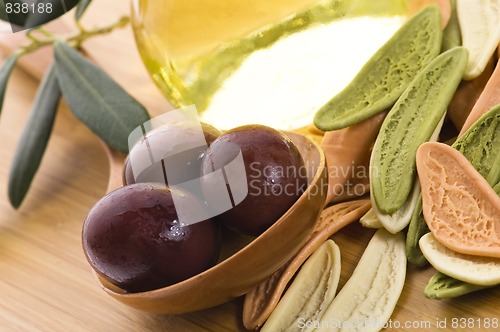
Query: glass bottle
{"x":216,"y":54}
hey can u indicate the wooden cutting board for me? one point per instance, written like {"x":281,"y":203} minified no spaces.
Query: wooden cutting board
{"x":45,"y":281}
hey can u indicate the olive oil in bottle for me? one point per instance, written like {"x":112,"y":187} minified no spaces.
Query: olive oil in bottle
{"x":262,"y":61}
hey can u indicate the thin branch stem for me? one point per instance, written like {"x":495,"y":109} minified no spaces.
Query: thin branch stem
{"x":30,"y":36}
{"x":45,"y":32}
{"x":76,"y":40}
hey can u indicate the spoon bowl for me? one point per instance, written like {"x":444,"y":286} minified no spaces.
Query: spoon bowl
{"x":245,"y":261}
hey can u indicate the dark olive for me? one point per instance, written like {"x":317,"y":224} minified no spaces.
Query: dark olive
{"x":132,"y":237}
{"x":275,"y":175}
{"x":171,"y":138}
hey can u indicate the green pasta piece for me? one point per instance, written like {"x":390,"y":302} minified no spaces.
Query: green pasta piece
{"x":386,"y":74}
{"x":410,"y":123}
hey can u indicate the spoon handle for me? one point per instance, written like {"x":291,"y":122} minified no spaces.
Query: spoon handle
{"x":116,"y":161}
{"x":261,"y":301}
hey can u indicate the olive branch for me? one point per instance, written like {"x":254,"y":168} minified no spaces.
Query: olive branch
{"x":93,"y":97}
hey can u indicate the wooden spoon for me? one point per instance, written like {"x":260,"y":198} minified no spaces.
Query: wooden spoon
{"x":488,"y":98}
{"x":348,"y":151}
{"x":244,"y":262}
{"x":261,"y":301}
{"x":116,"y":161}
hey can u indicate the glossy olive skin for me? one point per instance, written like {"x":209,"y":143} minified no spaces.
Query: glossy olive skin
{"x":275,"y":176}
{"x":133,"y":239}
{"x":170,"y":136}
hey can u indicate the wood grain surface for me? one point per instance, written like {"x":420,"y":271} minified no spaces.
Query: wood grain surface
{"x":45,"y":281}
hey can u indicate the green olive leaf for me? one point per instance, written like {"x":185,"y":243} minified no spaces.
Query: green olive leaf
{"x":96,"y":99}
{"x":34,"y":138}
{"x":80,"y":10}
{"x":5,"y":72}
